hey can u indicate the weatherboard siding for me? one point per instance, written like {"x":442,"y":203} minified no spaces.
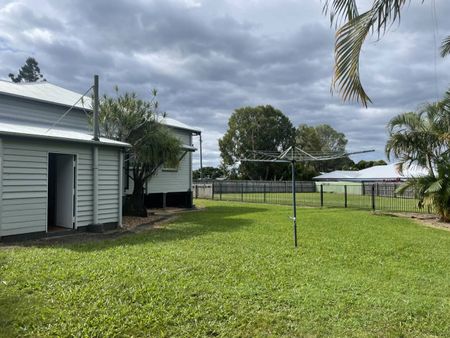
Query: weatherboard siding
{"x":174,"y":181}
{"x":22,"y":111}
{"x":24,"y":184}
{"x":108,"y":191}
{"x":165,"y":181}
{"x":1,"y":185}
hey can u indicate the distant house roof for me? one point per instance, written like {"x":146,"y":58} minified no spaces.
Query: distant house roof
{"x":337,"y":174}
{"x":54,"y":134}
{"x":387,"y":172}
{"x":45,"y":92}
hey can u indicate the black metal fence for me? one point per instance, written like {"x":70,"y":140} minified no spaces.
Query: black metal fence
{"x":381,"y":196}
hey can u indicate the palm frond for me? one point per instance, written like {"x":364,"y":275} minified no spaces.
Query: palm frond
{"x":409,"y":120}
{"x":350,"y":39}
{"x":386,"y":13}
{"x":435,"y":187}
{"x":445,"y":46}
{"x":405,"y":186}
{"x":340,"y":10}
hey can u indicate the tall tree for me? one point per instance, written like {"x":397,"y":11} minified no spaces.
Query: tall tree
{"x":207,"y":173}
{"x":256,"y":128}
{"x":127,"y":118}
{"x":367,"y":164}
{"x":321,"y":138}
{"x":30,"y":72}
{"x":353,"y":29}
{"x":422,"y":139}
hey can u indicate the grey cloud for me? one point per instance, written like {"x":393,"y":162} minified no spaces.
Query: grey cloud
{"x":209,"y":60}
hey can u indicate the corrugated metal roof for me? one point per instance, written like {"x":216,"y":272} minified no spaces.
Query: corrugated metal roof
{"x":376,"y":173}
{"x":45,"y":92}
{"x":54,"y":134}
{"x":177,"y":124}
{"x":50,"y":93}
{"x":390,"y":171}
{"x":338,"y":174}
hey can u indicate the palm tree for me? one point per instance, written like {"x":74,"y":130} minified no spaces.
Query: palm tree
{"x":422,"y":138}
{"x":350,"y":38}
{"x":416,"y":138}
{"x":433,"y":191}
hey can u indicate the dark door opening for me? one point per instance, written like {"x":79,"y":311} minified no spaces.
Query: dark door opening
{"x":61,"y":192}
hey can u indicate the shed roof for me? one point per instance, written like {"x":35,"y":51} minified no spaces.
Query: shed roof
{"x":45,"y":92}
{"x":15,"y":129}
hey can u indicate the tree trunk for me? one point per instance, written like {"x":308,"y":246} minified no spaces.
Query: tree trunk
{"x":135,"y":205}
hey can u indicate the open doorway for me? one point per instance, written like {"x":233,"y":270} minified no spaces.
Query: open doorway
{"x":61,"y":192}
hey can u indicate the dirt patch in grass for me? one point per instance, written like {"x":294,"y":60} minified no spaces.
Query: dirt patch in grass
{"x":131,"y":223}
{"x":422,"y":219}
{"x":156,"y":219}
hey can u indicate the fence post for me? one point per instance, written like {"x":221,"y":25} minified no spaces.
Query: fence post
{"x":373,"y":197}
{"x":321,"y":195}
{"x":220,"y":190}
{"x":242,"y":192}
{"x":196,"y":191}
{"x":212,"y":190}
{"x":264,"y":187}
{"x":345,"y":196}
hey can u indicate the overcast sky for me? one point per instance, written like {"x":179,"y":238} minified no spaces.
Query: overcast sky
{"x":209,"y":57}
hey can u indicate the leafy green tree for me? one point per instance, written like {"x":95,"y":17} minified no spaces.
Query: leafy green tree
{"x":321,"y":138}
{"x":256,"y":128}
{"x":127,"y":118}
{"x":422,"y":139}
{"x":30,"y":72}
{"x":367,"y":164}
{"x":353,"y":29}
{"x":207,"y":173}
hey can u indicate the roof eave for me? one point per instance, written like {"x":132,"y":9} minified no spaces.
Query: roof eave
{"x":46,"y":137}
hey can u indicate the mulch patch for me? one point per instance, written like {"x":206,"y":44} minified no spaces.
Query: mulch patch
{"x":428,"y":220}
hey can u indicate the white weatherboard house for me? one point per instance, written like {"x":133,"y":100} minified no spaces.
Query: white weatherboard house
{"x":172,"y":186}
{"x":54,"y":177}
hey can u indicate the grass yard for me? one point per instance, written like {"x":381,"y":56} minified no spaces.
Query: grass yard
{"x":232,"y":271}
{"x":334,"y":200}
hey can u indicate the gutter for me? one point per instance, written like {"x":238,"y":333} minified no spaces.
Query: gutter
{"x":46,"y":137}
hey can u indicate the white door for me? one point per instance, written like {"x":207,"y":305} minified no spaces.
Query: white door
{"x":64,"y":191}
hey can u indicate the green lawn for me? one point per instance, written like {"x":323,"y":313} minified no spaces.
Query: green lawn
{"x":232,"y":271}
{"x":333,"y":200}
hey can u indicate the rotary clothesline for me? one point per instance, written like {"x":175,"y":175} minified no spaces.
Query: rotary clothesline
{"x":293,"y":155}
